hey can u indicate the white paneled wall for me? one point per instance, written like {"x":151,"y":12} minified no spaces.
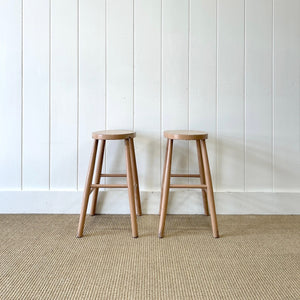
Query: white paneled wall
{"x":203,"y":77}
{"x":11,"y":106}
{"x":64,"y":95}
{"x":258,"y":95}
{"x":92,"y":78}
{"x":36,"y":94}
{"x":230,"y":96}
{"x":147,"y":91}
{"x":286,"y":92}
{"x":229,"y":67}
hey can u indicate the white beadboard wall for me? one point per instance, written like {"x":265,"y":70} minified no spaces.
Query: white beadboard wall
{"x":229,"y":67}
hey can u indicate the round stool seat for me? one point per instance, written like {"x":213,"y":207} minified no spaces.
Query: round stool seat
{"x":185,"y":135}
{"x":113,"y":134}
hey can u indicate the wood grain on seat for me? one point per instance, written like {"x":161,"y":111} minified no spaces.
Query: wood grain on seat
{"x":113,"y":134}
{"x":185,"y":135}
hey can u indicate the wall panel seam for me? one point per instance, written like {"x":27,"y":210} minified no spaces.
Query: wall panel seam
{"x":22,"y":90}
{"x":133,"y":64}
{"x":188,"y":79}
{"x":245,"y":100}
{"x":161,"y":88}
{"x":77,"y":116}
{"x":217,"y":95}
{"x":273,"y":96}
{"x":50,"y":62}
{"x":105,"y":88}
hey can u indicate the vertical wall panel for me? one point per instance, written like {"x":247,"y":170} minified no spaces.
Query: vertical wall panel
{"x":258,"y":84}
{"x":147,"y":25}
{"x":36,"y":95}
{"x":63,"y":157}
{"x":202,"y":102}
{"x":119,"y":76}
{"x":91,"y":78}
{"x":175,"y":35}
{"x":286,"y":95}
{"x":230,"y":157}
{"x":10,"y":93}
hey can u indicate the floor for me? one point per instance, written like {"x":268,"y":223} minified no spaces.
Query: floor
{"x":256,"y":257}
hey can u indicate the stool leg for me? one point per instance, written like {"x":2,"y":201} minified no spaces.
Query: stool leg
{"x":210,"y":193}
{"x":166,"y":187}
{"x":202,"y":177}
{"x":162,"y":180}
{"x":87,"y":188}
{"x":131,"y":191}
{"x":135,"y":179}
{"x":97,"y":177}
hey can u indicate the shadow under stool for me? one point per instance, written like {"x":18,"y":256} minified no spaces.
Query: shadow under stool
{"x":131,"y":175}
{"x":204,"y":174}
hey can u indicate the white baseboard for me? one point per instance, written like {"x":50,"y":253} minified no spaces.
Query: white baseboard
{"x":180,"y":202}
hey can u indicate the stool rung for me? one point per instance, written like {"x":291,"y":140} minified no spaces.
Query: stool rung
{"x":190,"y":186}
{"x":113,"y":175}
{"x":186,"y":175}
{"x":109,"y":186}
{"x":91,"y":190}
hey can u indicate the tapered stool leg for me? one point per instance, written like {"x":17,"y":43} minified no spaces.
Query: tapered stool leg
{"x":87,"y":188}
{"x":210,"y":193}
{"x":131,"y":191}
{"x":97,"y":177}
{"x":166,"y":187}
{"x":163,"y":177}
{"x":202,"y":177}
{"x":135,"y":179}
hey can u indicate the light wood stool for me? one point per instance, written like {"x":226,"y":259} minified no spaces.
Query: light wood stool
{"x":132,"y":176}
{"x":204,"y":175}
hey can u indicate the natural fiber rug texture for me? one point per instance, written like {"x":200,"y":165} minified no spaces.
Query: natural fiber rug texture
{"x":256,"y":257}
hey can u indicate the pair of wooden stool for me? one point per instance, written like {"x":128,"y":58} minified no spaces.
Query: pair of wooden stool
{"x":132,"y":176}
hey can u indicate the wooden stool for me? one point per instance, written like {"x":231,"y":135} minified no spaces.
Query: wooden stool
{"x":205,"y":177}
{"x":132,"y":177}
